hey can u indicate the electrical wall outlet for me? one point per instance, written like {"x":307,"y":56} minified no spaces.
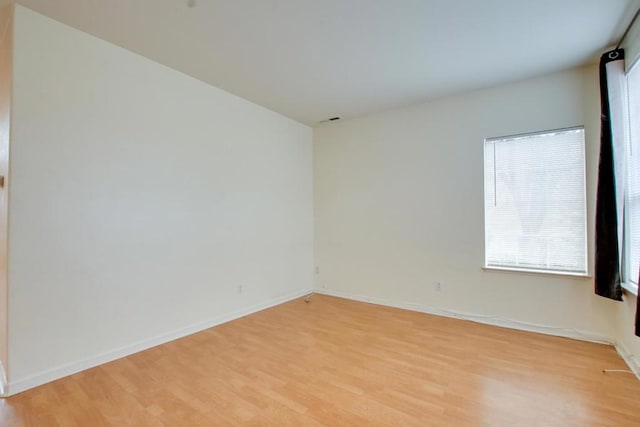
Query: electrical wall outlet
{"x":438,"y":286}
{"x":240,"y":289}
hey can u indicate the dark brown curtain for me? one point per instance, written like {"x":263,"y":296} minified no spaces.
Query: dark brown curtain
{"x":607,"y":257}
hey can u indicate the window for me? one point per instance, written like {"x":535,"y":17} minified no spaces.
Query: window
{"x":631,"y":239}
{"x":535,"y":209}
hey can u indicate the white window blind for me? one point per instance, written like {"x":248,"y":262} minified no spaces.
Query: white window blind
{"x":535,"y":209}
{"x":632,"y":199}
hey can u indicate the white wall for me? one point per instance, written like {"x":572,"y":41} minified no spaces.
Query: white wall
{"x":6,"y":45}
{"x":399,"y":206}
{"x":141,"y":200}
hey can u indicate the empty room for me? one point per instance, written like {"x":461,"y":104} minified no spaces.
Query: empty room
{"x":319,"y":213}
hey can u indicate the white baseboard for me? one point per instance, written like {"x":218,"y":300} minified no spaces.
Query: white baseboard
{"x":18,"y":386}
{"x":14,"y":387}
{"x":631,"y":360}
{"x":478,"y":318}
{"x":3,"y":380}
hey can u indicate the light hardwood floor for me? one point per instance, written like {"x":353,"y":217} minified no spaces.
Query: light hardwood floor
{"x":335,"y":362}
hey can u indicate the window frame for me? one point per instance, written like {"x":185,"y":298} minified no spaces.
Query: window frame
{"x":546,"y":272}
{"x":629,"y":281}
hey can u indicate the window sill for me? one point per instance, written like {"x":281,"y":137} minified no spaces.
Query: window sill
{"x":630,"y":288}
{"x":539,"y":272}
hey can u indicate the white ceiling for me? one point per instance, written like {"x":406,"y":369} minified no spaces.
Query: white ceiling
{"x":315,"y":59}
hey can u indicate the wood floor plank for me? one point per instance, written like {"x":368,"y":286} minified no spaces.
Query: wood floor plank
{"x":334,"y":362}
